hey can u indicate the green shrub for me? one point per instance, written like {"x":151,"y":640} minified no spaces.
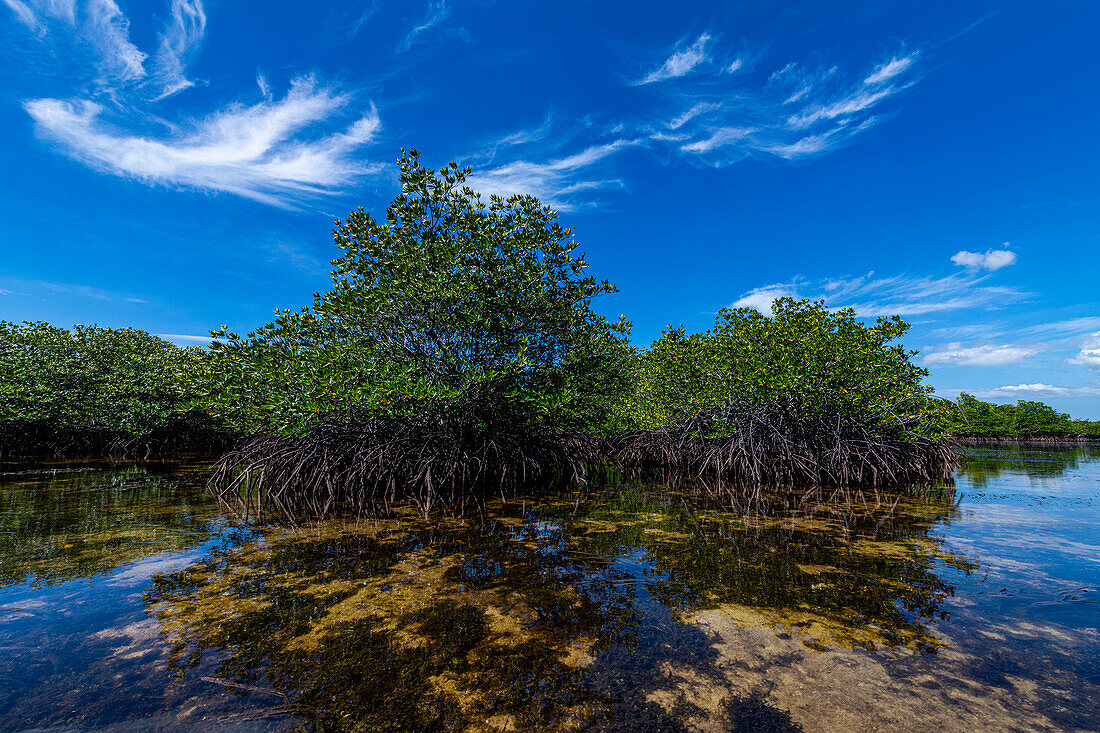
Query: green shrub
{"x":828,"y":361}
{"x":975,"y":417}
{"x":443,"y":296}
{"x":91,"y":378}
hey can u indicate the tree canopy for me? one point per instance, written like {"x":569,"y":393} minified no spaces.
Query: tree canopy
{"x":91,"y":377}
{"x":1027,"y":417}
{"x":829,"y":361}
{"x":446,"y":295}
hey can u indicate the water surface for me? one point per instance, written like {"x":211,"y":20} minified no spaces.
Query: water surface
{"x":128,"y":601}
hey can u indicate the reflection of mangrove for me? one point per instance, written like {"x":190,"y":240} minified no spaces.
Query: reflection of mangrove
{"x":1049,"y":461}
{"x":782,"y":442}
{"x":62,"y":523}
{"x":402,"y":624}
{"x":838,"y":567}
{"x":528,"y":620}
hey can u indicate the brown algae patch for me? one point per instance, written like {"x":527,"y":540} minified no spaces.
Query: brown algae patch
{"x":852,"y":573}
{"x":363,"y":624}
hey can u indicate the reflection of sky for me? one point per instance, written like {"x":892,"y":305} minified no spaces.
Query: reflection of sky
{"x":92,"y":603}
{"x":1033,"y":522}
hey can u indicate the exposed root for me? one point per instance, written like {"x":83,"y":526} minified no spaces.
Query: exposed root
{"x":188,"y":433}
{"x":439,"y":458}
{"x":780,"y":443}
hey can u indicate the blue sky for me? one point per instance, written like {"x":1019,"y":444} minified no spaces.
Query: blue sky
{"x":177,"y":164}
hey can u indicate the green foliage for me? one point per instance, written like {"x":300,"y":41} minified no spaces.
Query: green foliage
{"x":444,"y":296}
{"x":829,"y":361}
{"x":1026,"y":417}
{"x":90,"y":378}
{"x":1085,"y":427}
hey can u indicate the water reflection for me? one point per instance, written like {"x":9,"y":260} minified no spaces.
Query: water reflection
{"x":556,"y":618}
{"x":67,"y":521}
{"x":835,"y":567}
{"x":358,"y":625}
{"x":80,"y":541}
{"x":985,"y":465}
{"x":128,"y":603}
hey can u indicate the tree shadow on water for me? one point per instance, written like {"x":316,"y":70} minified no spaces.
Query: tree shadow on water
{"x":408,"y":624}
{"x":569,"y":617}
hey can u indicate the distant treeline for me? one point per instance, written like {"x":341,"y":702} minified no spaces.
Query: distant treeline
{"x":100,"y":391}
{"x":458,"y":346}
{"x":1025,"y":420}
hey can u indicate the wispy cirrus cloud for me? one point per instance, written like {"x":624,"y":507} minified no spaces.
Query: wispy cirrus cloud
{"x":276,"y":151}
{"x":796,"y":111}
{"x":108,"y":28}
{"x":1067,"y":328}
{"x":45,"y":290}
{"x":903,"y":295}
{"x":96,"y":24}
{"x":681,"y":62}
{"x":556,"y":181}
{"x":437,"y":13}
{"x":178,"y":42}
{"x":887,"y":71}
{"x":721,"y":118}
{"x":253,"y":151}
{"x":23,"y":13}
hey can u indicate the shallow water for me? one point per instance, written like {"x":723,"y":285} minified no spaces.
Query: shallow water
{"x":128,"y":601}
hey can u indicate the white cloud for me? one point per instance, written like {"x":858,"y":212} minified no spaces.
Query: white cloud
{"x":679,"y":63}
{"x":253,"y":151}
{"x":180,"y":39}
{"x":182,"y":339}
{"x":734,"y":66}
{"x":1089,"y":356}
{"x":760,"y":299}
{"x":276,"y":151}
{"x":437,"y":13}
{"x":956,"y":354}
{"x":554,"y":181}
{"x":889,"y":70}
{"x":992,"y":259}
{"x":797,"y":112}
{"x":902,"y":295}
{"x":1038,"y":389}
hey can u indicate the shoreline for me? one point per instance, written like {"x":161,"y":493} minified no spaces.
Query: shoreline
{"x":1027,"y":439}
